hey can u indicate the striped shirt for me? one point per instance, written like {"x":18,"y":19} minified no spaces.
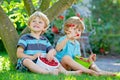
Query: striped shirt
{"x":31,"y":45}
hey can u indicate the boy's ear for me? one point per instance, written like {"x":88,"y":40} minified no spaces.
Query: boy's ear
{"x":45,"y":29}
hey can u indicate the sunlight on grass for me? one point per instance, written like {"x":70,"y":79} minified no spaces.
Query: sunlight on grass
{"x":118,"y":74}
{"x":70,"y":78}
{"x":8,"y":74}
{"x":4,"y":63}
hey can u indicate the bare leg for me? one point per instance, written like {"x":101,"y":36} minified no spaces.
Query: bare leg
{"x":101,"y":72}
{"x":67,"y":60}
{"x":64,"y":71}
{"x":37,"y":69}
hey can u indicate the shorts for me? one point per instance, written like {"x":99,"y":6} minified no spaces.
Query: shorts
{"x":21,"y":67}
{"x":83,"y":63}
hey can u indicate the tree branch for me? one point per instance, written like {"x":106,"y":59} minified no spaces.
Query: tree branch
{"x":58,"y":8}
{"x":44,"y":5}
{"x":29,"y":6}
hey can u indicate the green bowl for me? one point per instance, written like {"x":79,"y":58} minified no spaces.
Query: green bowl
{"x":82,"y":62}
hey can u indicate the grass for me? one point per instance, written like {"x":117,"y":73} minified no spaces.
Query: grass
{"x":7,"y":74}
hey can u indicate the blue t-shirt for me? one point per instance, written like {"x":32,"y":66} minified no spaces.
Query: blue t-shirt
{"x":71,"y":49}
{"x":31,"y":45}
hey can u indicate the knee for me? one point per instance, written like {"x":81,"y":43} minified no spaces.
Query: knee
{"x":26,"y":60}
{"x":67,"y":58}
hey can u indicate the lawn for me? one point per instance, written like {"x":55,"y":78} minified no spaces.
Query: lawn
{"x":6,"y":73}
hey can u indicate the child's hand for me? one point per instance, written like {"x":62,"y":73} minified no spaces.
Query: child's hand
{"x":36,"y":55}
{"x":71,"y":34}
{"x":50,"y":56}
{"x":92,"y":57}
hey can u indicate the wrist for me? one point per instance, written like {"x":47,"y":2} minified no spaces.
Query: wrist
{"x":33,"y":57}
{"x":67,"y":38}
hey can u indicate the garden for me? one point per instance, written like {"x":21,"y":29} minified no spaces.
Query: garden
{"x":101,"y":20}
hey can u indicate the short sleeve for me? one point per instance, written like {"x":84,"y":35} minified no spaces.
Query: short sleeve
{"x":49,"y":46}
{"x":61,"y":39}
{"x":22,"y":42}
{"x":77,"y":51}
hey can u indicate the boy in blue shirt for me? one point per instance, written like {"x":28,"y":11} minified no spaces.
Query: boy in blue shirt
{"x":68,"y":48}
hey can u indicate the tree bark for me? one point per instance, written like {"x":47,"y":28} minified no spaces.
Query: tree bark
{"x":8,"y":35}
{"x":58,"y":8}
{"x":29,"y":6}
{"x":44,"y":5}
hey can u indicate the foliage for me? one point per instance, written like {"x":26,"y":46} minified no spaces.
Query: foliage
{"x":105,"y":20}
{"x":59,"y":21}
{"x":106,"y":11}
{"x":14,"y":9}
{"x":4,"y":62}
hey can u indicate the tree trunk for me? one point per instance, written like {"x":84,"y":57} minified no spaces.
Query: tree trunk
{"x":9,"y":36}
{"x":29,"y":6}
{"x":44,"y":5}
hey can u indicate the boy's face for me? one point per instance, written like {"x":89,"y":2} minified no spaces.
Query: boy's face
{"x":37,"y":25}
{"x":78,"y":33}
{"x":74,"y":32}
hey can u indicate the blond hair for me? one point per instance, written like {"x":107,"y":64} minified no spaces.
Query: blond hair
{"x":41,"y":16}
{"x":72,"y":21}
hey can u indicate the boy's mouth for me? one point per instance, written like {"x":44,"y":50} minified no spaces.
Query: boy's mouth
{"x":36,"y":26}
{"x":77,"y":35}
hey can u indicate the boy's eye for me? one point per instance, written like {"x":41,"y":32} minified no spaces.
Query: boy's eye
{"x":33,"y":21}
{"x":40,"y":22}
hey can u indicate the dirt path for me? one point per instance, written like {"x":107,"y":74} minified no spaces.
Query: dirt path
{"x":108,"y":63}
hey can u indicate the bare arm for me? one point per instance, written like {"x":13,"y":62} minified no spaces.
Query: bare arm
{"x":21,"y":54}
{"x":61,"y":45}
{"x":70,"y":34}
{"x":51,"y":54}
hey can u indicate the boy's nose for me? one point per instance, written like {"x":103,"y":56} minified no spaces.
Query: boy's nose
{"x":37,"y":22}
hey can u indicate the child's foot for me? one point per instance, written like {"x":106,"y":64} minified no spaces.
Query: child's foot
{"x":107,"y":73}
{"x":78,"y":72}
{"x":94,"y":73}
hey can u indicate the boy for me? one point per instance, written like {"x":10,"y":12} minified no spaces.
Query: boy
{"x":68,"y":48}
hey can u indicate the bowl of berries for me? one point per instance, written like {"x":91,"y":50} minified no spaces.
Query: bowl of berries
{"x":49,"y":65}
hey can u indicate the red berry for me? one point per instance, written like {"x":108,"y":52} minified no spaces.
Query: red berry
{"x":55,"y":29}
{"x":70,"y":25}
{"x":77,"y":35}
{"x":102,"y":50}
{"x":82,"y":19}
{"x":61,"y":17}
{"x":81,"y":58}
{"x":88,"y":60}
{"x":78,"y":14}
{"x":51,"y":63}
